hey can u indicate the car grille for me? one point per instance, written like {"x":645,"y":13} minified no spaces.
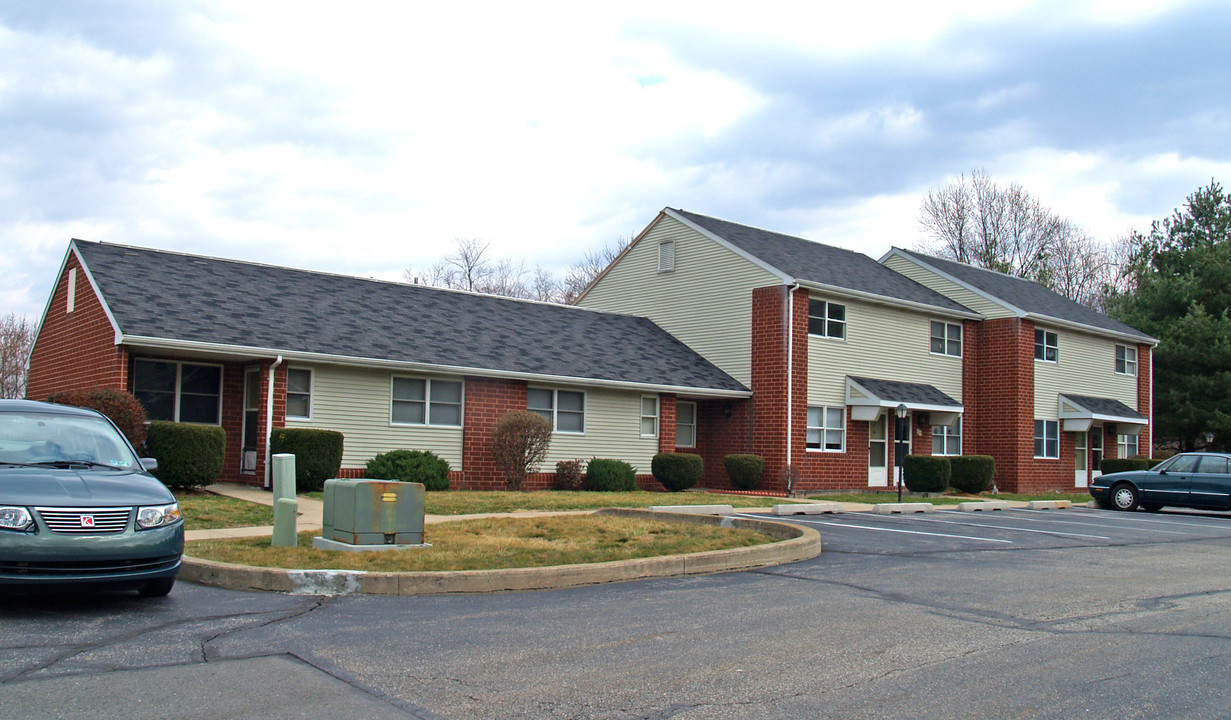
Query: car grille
{"x":85,"y":521}
{"x":102,"y":568}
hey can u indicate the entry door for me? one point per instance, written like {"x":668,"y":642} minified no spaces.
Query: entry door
{"x":1081,"y":460}
{"x":1096,"y":451}
{"x":878,"y":452}
{"x":252,"y":419}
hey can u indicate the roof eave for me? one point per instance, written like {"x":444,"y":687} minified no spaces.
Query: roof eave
{"x":886,"y":300}
{"x":1093,"y":329}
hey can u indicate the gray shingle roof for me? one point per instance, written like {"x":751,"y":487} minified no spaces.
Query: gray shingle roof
{"x":905,"y":392}
{"x":188,"y":298}
{"x":1104,"y":406}
{"x":822,"y":264}
{"x":1026,"y":295}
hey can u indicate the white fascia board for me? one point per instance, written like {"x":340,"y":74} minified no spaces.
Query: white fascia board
{"x":784,"y":277}
{"x":888,"y":301}
{"x":1125,"y":337}
{"x":977,"y":291}
{"x":239,"y":351}
{"x":873,"y":400}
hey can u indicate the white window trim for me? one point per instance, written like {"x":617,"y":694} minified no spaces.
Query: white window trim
{"x":947,"y":433}
{"x":1056,"y":347}
{"x":946,"y":325}
{"x":1122,"y":446}
{"x":427,"y":402}
{"x":555,"y":409}
{"x":1045,"y":456}
{"x":823,"y":428}
{"x":179,"y":377}
{"x":693,"y":424}
{"x":642,"y":416}
{"x":311,"y":392}
{"x":1127,"y":363}
{"x":845,"y":322}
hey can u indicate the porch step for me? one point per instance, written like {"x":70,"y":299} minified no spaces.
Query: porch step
{"x":695,"y":509}
{"x":983,"y":505}
{"x":808,"y":508}
{"x":912,"y":507}
{"x":1049,"y":504}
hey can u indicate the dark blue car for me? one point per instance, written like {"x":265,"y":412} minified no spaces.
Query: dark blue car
{"x":1195,"y":480}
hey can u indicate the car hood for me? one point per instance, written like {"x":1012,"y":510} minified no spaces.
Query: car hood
{"x":80,"y":488}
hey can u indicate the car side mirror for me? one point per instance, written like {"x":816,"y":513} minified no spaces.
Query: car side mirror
{"x":149,"y":464}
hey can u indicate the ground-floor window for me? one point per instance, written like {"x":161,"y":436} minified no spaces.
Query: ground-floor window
{"x":685,"y":424}
{"x":1126,"y":445}
{"x":299,"y":394}
{"x":564,"y":409}
{"x":946,"y":439}
{"x":179,"y":392}
{"x":649,"y":416}
{"x":1047,"y":438}
{"x":827,"y":428}
{"x":422,"y":401}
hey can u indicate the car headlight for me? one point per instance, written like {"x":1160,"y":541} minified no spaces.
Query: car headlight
{"x":157,"y":516}
{"x":15,"y":518}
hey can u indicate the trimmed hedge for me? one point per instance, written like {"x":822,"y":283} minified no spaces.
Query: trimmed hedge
{"x":123,"y":408}
{"x":569,"y":475}
{"x":677,"y":471}
{"x":971,"y":473}
{"x":318,"y":454}
{"x":1115,"y":465}
{"x":188,"y":454}
{"x":744,"y":470}
{"x":926,"y":473}
{"x":421,"y":466}
{"x":605,"y":475}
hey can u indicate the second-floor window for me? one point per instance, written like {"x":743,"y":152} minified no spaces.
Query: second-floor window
{"x":1046,"y":346}
{"x":826,"y":319}
{"x":946,"y":339}
{"x":1126,"y":360}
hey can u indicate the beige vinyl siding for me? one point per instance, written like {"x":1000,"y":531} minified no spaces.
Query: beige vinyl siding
{"x":955,"y":292}
{"x":1085,"y":365}
{"x":613,"y":430}
{"x":356,"y":403}
{"x":882,"y":342}
{"x":706,"y":301}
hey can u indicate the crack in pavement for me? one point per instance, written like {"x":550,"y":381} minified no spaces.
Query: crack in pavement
{"x":209,"y":653}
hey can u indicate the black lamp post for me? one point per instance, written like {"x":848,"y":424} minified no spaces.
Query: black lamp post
{"x":900,"y":430}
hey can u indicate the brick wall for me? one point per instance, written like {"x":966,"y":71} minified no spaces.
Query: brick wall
{"x":486,"y":400}
{"x":998,"y":395}
{"x":77,"y":350}
{"x":768,"y":416}
{"x":1145,"y":370}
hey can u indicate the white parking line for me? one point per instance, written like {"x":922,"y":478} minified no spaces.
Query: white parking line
{"x":906,"y":532}
{"x":1116,"y":517}
{"x":1198,"y":523}
{"x":1015,"y":529}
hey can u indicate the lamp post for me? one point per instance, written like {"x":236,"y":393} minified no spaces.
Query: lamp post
{"x":901,"y":430}
{"x":1209,"y":439}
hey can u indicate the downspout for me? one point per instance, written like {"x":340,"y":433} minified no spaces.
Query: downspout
{"x":790,"y":376}
{"x":269,"y":420}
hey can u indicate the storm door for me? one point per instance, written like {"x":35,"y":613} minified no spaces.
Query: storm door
{"x":1081,"y":460}
{"x":252,"y":419}
{"x":878,"y":451}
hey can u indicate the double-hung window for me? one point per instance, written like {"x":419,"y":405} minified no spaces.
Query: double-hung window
{"x":649,"y":416}
{"x":685,"y":424}
{"x":826,"y":319}
{"x":1047,"y":439}
{"x":947,"y":440}
{"x":180,"y":392}
{"x":426,"y":401}
{"x":1126,"y":360}
{"x":946,"y":339}
{"x":1126,"y":446}
{"x":299,"y":393}
{"x":826,"y":429}
{"x":564,"y":409}
{"x":1046,"y":345}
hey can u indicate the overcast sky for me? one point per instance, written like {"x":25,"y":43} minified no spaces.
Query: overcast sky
{"x":364,"y":137}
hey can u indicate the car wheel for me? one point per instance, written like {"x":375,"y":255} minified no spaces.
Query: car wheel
{"x":1124,"y":497}
{"x":1151,"y":507}
{"x":157,"y":588}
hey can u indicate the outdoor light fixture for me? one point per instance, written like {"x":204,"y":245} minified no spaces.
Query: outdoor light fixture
{"x":1209,"y":439}
{"x":901,"y":435}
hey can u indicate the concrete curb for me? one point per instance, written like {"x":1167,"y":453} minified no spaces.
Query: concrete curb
{"x":795,"y":543}
{"x":904,"y":507}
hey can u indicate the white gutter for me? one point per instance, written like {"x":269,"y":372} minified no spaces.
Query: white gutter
{"x":269,"y":420}
{"x":890,"y":301}
{"x":790,"y":375}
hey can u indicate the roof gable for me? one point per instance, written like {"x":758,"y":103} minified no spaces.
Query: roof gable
{"x":191,"y":299}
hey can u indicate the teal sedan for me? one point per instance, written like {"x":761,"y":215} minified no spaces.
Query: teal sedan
{"x":78,"y":506}
{"x":1196,"y":480}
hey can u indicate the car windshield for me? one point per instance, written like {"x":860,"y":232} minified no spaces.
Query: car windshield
{"x":30,"y":438}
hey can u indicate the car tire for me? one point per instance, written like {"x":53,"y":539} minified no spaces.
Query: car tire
{"x":157,"y":588}
{"x":1124,"y":497}
{"x":1151,"y":507}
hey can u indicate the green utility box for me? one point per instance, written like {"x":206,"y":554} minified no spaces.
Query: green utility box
{"x":373,"y":512}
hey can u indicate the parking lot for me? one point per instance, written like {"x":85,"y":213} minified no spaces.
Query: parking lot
{"x":950,"y":530}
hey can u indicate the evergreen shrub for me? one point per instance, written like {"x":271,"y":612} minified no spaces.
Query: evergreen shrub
{"x":318,"y":454}
{"x":421,"y":466}
{"x":744,"y":470}
{"x":606,"y":475}
{"x":926,"y":473}
{"x":1115,"y":465}
{"x":972,"y":473}
{"x":188,"y":454}
{"x":677,"y":471}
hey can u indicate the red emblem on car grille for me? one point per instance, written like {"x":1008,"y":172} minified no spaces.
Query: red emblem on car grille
{"x":87,"y":521}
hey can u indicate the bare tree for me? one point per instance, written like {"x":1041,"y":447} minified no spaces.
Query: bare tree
{"x":545,"y":288}
{"x":591,"y":265}
{"x":16,"y":340}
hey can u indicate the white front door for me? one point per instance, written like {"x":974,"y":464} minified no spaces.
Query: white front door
{"x":1080,"y":460}
{"x":1096,"y":451}
{"x":878,"y":452}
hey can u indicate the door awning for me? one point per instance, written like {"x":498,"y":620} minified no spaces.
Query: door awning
{"x":866,"y":397}
{"x":1079,"y":413}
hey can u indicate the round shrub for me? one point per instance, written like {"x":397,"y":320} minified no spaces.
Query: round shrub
{"x":744,"y":470}
{"x":925,"y":473}
{"x":972,"y":473}
{"x":188,"y":454}
{"x":318,"y":454}
{"x":569,"y":475}
{"x":677,"y":471}
{"x":1115,"y":465}
{"x":123,"y":408}
{"x":605,"y":475}
{"x":421,"y":466}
